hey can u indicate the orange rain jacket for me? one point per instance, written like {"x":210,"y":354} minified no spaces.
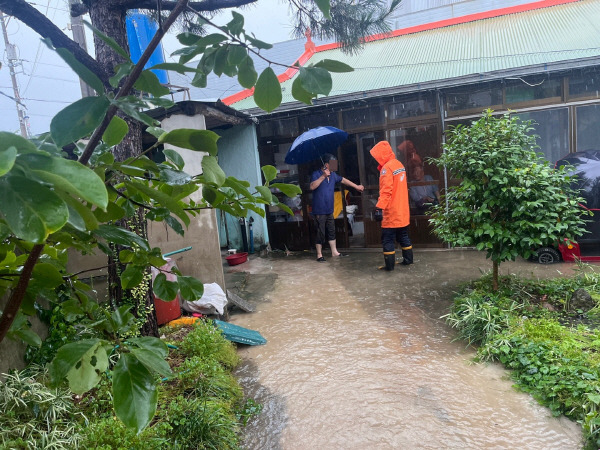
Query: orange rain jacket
{"x":393,"y":188}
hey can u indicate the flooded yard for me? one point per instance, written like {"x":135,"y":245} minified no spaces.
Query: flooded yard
{"x":358,"y":358}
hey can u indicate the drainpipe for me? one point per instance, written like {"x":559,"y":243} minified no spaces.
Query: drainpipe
{"x":244,"y":234}
{"x":251,"y":237}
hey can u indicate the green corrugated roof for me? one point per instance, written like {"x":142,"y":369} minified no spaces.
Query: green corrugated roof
{"x":544,"y":36}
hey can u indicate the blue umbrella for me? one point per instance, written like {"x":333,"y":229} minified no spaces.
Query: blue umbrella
{"x":313,"y":143}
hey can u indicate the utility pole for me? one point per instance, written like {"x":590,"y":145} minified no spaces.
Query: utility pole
{"x":79,"y":36}
{"x":12,"y":62}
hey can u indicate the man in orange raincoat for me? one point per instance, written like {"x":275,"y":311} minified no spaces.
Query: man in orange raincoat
{"x":392,"y":208}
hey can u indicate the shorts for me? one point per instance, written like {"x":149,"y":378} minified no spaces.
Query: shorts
{"x":325,"y":228}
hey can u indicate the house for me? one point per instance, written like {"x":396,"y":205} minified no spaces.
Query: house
{"x":539,"y":59}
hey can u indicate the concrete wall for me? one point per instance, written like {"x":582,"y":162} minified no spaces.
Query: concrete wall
{"x":238,"y":157}
{"x":204,"y":260}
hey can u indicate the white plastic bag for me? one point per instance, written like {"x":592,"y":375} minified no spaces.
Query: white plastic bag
{"x":213,"y":301}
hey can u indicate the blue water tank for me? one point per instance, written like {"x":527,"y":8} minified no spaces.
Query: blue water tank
{"x":140,"y":31}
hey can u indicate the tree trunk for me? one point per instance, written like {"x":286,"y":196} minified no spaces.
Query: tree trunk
{"x":495,"y":276}
{"x":111,"y":21}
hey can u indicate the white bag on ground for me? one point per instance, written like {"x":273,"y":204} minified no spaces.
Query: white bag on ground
{"x":213,"y":301}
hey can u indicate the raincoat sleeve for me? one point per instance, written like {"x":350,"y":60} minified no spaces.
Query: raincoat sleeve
{"x":386,"y":185}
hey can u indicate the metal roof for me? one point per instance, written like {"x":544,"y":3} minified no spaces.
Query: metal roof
{"x":531,"y":41}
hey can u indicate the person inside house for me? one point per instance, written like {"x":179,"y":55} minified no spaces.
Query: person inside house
{"x":392,"y":208}
{"x":423,"y":193}
{"x":410,"y":157}
{"x":322,"y":184}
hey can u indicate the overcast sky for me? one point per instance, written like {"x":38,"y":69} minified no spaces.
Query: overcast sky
{"x":47,"y":85}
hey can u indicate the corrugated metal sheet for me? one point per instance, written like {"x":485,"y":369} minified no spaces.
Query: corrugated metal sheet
{"x":544,"y":36}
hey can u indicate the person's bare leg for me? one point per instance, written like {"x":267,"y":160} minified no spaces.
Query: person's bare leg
{"x":333,"y":246}
{"x":319,"y":248}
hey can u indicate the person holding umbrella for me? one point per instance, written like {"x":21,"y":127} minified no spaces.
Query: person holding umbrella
{"x":392,"y":208}
{"x":322,"y":183}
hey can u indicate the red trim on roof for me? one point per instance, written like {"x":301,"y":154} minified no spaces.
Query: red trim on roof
{"x":289,"y":73}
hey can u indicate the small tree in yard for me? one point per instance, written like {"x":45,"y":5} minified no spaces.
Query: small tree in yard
{"x":510,"y":201}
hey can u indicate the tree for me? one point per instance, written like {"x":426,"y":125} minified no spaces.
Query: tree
{"x":53,"y":204}
{"x":509,"y":201}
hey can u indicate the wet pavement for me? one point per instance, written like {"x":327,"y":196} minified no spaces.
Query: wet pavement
{"x":359,"y":358}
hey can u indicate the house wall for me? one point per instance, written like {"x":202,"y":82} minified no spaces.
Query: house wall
{"x":238,"y":157}
{"x":204,"y":260}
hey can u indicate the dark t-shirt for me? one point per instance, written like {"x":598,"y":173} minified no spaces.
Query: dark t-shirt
{"x":323,"y":195}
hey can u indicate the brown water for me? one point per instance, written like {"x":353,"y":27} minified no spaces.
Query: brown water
{"x":358,"y":359}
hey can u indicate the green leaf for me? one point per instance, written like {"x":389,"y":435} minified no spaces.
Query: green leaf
{"x":113,"y":212}
{"x":47,"y":275}
{"x":212,"y":39}
{"x":28,"y":336}
{"x":68,"y":356}
{"x":78,"y":120}
{"x":270,"y":173}
{"x":236,"y":25}
{"x":299,"y":93}
{"x":148,"y":82}
{"x":134,"y":392}
{"x":265,"y":193}
{"x":174,"y":157}
{"x":121,"y":236}
{"x":212,"y":171}
{"x":247,"y":75}
{"x":132,"y":276}
{"x":258,"y":43}
{"x":188,"y":39}
{"x":31,"y":210}
{"x":174,"y":224}
{"x":121,"y":71}
{"x":115,"y":132}
{"x":197,"y":140}
{"x":87,"y":372}
{"x":153,"y":344}
{"x":175,"y":67}
{"x":84,"y":73}
{"x":152,"y":361}
{"x":315,"y":80}
{"x":291,"y":190}
{"x":108,"y":40}
{"x":7,"y":159}
{"x":191,"y":288}
{"x":161,"y":198}
{"x":267,"y":92}
{"x":8,"y":140}
{"x":164,"y":289}
{"x":236,"y":54}
{"x":70,"y":176}
{"x":130,"y":108}
{"x":323,"y":5}
{"x":199,"y":80}
{"x":332,"y":65}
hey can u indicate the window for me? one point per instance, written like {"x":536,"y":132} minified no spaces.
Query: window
{"x":318,"y":120}
{"x":552,"y":128}
{"x":588,"y":127}
{"x":529,"y":89}
{"x":364,"y":117}
{"x":585,"y":83}
{"x":474,"y":97}
{"x":412,"y":108}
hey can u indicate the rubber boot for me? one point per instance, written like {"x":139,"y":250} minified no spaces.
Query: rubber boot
{"x":390,"y":260}
{"x":407,"y":257}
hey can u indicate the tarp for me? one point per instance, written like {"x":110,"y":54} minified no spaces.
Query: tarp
{"x":235,"y":333}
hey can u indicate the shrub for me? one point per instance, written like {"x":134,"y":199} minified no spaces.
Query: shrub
{"x":207,"y":342}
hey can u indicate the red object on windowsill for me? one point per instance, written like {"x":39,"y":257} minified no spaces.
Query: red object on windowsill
{"x":237,"y":258}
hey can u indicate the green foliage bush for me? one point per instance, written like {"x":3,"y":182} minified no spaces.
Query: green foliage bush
{"x":550,"y":357}
{"x":206,"y":341}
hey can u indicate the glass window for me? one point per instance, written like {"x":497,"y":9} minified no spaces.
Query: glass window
{"x":552,"y":128}
{"x":585,"y":83}
{"x":364,"y":117}
{"x":413,"y":108}
{"x":588,"y":127}
{"x":479,"y":97}
{"x":529,"y":89}
{"x":318,"y":120}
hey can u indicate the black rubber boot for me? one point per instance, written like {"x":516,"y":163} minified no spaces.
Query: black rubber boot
{"x":407,"y":257}
{"x":390,"y":261}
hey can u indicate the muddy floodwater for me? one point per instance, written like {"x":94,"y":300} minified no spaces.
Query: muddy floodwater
{"x":358,"y":358}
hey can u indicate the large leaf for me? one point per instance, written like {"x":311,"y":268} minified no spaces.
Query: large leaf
{"x":299,"y":93}
{"x":198,"y":140}
{"x":152,"y":361}
{"x":8,"y":140}
{"x":115,"y":132}
{"x":265,"y":193}
{"x":121,"y":236}
{"x":84,"y":73}
{"x":31,"y":210}
{"x":161,"y":198}
{"x":151,"y":343}
{"x":132,"y":276}
{"x":267,"y":92}
{"x":331,"y":65}
{"x":7,"y":159}
{"x":109,"y":41}
{"x":315,"y":80}
{"x":47,"y":275}
{"x":212,"y":171}
{"x":247,"y":75}
{"x":130,"y":107}
{"x":69,"y":176}
{"x":68,"y":356}
{"x":191,"y":288}
{"x":87,"y":372}
{"x":78,"y":120}
{"x":270,"y":173}
{"x":164,"y":289}
{"x":324,"y":6}
{"x":134,"y":392}
{"x":148,"y":82}
{"x":291,"y":190}
{"x":174,"y":157}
